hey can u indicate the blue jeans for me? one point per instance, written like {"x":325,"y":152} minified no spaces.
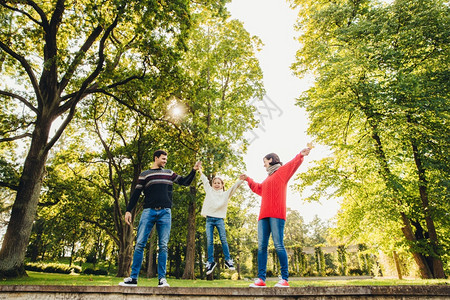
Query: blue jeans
{"x":276,"y":227}
{"x":212,"y":222}
{"x":163,"y":220}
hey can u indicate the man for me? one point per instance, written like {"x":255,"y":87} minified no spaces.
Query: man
{"x":157,"y":186}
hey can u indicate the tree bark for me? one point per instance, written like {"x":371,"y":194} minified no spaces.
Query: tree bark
{"x":397,"y":265}
{"x":418,"y":258}
{"x":189,"y":271}
{"x":385,"y":171}
{"x":437,"y":266}
{"x":15,"y":241}
{"x":125,"y":252}
{"x":151,"y":270}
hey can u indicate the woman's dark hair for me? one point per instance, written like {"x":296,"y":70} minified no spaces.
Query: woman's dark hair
{"x":158,"y":153}
{"x":275,"y":159}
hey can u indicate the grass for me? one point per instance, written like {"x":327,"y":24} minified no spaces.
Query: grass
{"x":37,"y":278}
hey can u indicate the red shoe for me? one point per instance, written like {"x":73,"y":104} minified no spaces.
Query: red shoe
{"x":259,"y":283}
{"x":282,"y":283}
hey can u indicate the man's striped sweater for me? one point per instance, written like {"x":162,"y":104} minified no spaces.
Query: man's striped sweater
{"x":157,"y":185}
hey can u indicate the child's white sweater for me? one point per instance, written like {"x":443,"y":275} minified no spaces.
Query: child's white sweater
{"x":216,"y":202}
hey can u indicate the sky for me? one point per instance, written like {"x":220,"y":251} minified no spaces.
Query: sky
{"x":283,"y":125}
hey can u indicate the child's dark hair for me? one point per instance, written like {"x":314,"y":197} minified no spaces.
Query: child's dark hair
{"x":158,"y":153}
{"x":275,"y":159}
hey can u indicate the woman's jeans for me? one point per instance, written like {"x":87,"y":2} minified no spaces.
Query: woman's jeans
{"x":163,"y":220}
{"x":212,"y":222}
{"x":276,"y":227}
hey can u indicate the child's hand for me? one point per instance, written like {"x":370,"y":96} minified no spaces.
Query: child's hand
{"x":198,"y":165}
{"x":243,"y":177}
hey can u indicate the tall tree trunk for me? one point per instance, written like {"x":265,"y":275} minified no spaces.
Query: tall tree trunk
{"x":72,"y":251}
{"x":151,"y":266}
{"x":15,"y":241}
{"x":125,"y":252}
{"x":190,"y":240}
{"x":200,"y":253}
{"x":385,"y":171}
{"x":436,"y":266}
{"x":420,"y":260}
{"x":177,"y":258}
{"x":397,"y":265}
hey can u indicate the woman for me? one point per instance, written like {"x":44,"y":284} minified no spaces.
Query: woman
{"x":272,"y":215}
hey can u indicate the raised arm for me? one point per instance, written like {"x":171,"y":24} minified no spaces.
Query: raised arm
{"x":290,"y":167}
{"x":233,"y":189}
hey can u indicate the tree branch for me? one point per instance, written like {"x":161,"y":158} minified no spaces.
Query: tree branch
{"x":10,"y":186}
{"x":103,"y":227}
{"x":81,"y":92}
{"x":84,"y":86}
{"x":20,"y":98}
{"x":14,"y":138}
{"x":60,"y":129}
{"x":168,"y":122}
{"x":3,"y":3}
{"x":27,"y":68}
{"x":78,"y":57}
{"x":93,"y":89}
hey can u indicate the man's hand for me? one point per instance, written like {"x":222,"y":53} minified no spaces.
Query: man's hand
{"x":128,"y":218}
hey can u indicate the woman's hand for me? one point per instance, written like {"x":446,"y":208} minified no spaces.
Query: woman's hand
{"x":243,"y":177}
{"x":305,"y":151}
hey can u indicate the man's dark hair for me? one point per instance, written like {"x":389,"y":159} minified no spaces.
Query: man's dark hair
{"x":275,"y":159}
{"x":158,"y":153}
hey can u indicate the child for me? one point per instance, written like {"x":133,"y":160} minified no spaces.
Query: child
{"x":215,"y":209}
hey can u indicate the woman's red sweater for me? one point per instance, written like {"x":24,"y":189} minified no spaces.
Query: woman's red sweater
{"x":273,"y":190}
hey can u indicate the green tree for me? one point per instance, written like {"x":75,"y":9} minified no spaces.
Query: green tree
{"x":295,"y":231}
{"x":317,"y":232}
{"x":223,"y":74}
{"x":379,"y":103}
{"x":57,"y":53}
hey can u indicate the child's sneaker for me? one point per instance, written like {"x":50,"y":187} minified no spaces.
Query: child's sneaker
{"x":129,"y":282}
{"x":282,"y":283}
{"x":259,"y":283}
{"x":210,"y":267}
{"x":230,"y":265}
{"x":163,"y":283}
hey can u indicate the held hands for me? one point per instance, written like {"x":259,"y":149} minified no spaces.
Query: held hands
{"x":243,"y":177}
{"x":198,"y":166}
{"x":128,"y":218}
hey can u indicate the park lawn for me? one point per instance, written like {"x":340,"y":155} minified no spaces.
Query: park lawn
{"x":37,"y":278}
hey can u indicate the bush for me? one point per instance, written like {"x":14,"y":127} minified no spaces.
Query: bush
{"x":76,"y":269}
{"x":52,"y":268}
{"x":355,"y":272}
{"x":224,"y":275}
{"x":90,"y":271}
{"x":331,"y":272}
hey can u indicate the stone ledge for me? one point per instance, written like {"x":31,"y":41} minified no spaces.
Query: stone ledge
{"x":397,"y":291}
